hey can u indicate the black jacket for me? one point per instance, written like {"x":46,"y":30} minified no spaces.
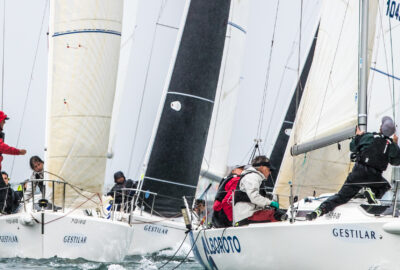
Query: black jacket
{"x":118,"y":191}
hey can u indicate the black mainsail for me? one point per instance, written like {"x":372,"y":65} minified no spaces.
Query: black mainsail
{"x":177,"y":151}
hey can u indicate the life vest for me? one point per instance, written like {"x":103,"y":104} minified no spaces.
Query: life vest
{"x":376,"y":155}
{"x":230,"y":185}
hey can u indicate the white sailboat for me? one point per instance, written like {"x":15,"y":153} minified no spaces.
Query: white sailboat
{"x":83,"y":61}
{"x":355,"y":235}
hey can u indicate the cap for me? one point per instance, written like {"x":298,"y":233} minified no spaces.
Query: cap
{"x":237,"y":167}
{"x":3,"y":116}
{"x":118,"y":174}
{"x":266,"y":163}
{"x":388,"y":128}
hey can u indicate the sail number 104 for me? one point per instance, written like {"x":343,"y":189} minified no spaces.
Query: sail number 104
{"x":392,"y":9}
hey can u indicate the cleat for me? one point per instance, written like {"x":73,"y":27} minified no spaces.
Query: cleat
{"x":313,"y":215}
{"x":370,"y":196}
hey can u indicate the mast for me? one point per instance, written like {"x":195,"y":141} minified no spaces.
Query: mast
{"x":362,"y":94}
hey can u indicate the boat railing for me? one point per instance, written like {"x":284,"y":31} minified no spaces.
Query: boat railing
{"x":43,"y":202}
{"x":131,"y":198}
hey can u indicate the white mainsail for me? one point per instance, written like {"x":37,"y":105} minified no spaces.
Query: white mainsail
{"x":222,"y":122}
{"x":83,"y":61}
{"x":328,"y":105}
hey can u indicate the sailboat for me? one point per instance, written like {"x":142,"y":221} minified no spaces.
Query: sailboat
{"x":66,"y":220}
{"x":355,"y":235}
{"x":172,"y":164}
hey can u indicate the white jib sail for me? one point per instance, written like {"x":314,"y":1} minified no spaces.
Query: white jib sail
{"x":222,"y":122}
{"x":127,"y":38}
{"x":84,"y":46}
{"x":328,"y":105}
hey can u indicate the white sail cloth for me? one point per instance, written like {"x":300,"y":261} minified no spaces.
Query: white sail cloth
{"x":84,"y":50}
{"x":328,"y":105}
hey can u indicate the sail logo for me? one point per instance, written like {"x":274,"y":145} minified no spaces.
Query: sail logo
{"x":156,"y":229}
{"x":221,"y":245}
{"x":75,"y":239}
{"x":352,"y":234}
{"x":392,"y":9}
{"x":8,"y":239}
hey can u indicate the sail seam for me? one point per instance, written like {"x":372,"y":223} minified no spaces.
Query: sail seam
{"x":193,"y":96}
{"x":79,"y":31}
{"x":169,"y":182}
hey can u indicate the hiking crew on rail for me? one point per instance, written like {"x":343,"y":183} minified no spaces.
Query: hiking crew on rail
{"x":372,"y":153}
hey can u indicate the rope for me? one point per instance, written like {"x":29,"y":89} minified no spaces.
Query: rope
{"x":30,"y":81}
{"x":261,"y":118}
{"x":391,"y":51}
{"x":194,"y":243}
{"x":173,"y":256}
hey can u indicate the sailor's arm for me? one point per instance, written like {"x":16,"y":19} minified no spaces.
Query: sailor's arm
{"x":394,"y":152}
{"x":6,"y":149}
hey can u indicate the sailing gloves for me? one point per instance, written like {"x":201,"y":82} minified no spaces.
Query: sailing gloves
{"x":274,"y":204}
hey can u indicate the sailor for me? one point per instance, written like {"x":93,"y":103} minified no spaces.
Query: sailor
{"x":120,"y":183}
{"x":372,"y":153}
{"x":249,"y":203}
{"x":37,"y":166}
{"x":4,"y":148}
{"x":220,"y":218}
{"x":9,"y":201}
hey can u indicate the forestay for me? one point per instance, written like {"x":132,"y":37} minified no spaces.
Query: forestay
{"x":329,"y":103}
{"x":84,"y":48}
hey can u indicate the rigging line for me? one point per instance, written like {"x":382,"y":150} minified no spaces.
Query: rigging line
{"x":285,"y":68}
{"x":145,"y":86}
{"x":391,"y":51}
{"x":298,"y":85}
{"x":386,"y":62}
{"x":299,"y":56}
{"x":2,"y":64}
{"x":30,"y":80}
{"x":260,"y":122}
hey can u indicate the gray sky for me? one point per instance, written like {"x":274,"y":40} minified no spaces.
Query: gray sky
{"x":22,"y":34}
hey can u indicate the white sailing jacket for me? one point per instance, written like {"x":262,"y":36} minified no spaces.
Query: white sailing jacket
{"x":250,"y":184}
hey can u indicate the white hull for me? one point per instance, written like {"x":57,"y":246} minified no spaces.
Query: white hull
{"x":66,"y":236}
{"x":347,"y":239}
{"x":154,"y":234}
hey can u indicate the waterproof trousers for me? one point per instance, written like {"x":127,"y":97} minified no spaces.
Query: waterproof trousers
{"x":360,"y":176}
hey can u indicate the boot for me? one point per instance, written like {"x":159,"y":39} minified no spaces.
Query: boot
{"x":314,"y":214}
{"x":369,"y":194}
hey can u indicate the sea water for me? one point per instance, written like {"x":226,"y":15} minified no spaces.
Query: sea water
{"x":153,"y":262}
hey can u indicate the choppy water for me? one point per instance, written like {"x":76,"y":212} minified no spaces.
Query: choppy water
{"x":152,"y":262}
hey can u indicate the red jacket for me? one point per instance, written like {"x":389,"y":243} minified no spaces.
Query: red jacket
{"x":5,"y":149}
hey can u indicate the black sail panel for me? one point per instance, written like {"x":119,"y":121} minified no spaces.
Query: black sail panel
{"x":175,"y":159}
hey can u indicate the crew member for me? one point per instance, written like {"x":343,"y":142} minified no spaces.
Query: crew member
{"x":120,"y":183}
{"x":249,"y":203}
{"x":4,"y":148}
{"x":372,"y":153}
